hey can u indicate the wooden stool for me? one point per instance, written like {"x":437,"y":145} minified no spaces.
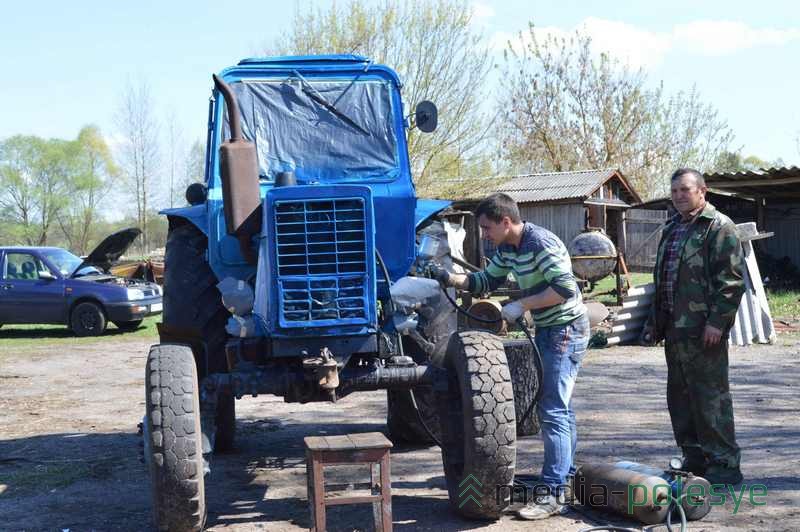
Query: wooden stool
{"x":368,"y":448}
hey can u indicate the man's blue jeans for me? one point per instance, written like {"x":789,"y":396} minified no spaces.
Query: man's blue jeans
{"x":562,"y":348}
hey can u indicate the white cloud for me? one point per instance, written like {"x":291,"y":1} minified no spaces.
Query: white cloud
{"x":481,"y":11}
{"x":639,"y":47}
{"x":721,"y":37}
{"x":635,"y":46}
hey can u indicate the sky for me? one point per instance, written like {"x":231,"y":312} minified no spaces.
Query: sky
{"x":65,"y":64}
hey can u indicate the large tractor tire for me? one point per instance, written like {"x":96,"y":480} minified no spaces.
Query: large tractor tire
{"x":173,"y":441}
{"x":402,"y":419}
{"x":525,"y":380}
{"x":192,"y":302}
{"x":478,"y":425}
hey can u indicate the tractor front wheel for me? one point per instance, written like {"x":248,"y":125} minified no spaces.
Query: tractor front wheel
{"x":478,"y":425}
{"x":173,"y":441}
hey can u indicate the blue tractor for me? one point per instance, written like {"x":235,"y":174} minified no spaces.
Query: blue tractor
{"x":298,"y":270}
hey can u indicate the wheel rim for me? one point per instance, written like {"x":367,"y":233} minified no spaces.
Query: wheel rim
{"x":88,"y":320}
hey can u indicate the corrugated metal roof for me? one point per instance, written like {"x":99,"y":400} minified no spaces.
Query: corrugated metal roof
{"x":776,"y":183}
{"x":555,"y":185}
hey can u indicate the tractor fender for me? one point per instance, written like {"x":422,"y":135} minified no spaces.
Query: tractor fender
{"x":427,"y":208}
{"x":196,"y":214}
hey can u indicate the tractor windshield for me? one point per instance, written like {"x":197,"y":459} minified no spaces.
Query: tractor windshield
{"x":323,"y":130}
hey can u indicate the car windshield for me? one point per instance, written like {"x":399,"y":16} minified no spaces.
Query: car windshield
{"x":66,"y":262}
{"x":322,"y":130}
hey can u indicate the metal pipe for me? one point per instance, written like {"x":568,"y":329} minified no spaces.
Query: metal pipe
{"x":384,"y":378}
{"x":233,"y":111}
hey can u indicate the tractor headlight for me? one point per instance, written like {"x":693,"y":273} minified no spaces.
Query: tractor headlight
{"x":135,"y":294}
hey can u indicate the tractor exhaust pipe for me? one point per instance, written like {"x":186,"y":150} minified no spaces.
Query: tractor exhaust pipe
{"x":238,"y":166}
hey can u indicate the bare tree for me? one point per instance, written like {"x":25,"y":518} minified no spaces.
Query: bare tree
{"x":174,"y":147}
{"x":433,"y":47}
{"x":195,"y":164}
{"x":564,"y":108}
{"x":139,"y":150}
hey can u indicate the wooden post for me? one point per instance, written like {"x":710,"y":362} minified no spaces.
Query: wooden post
{"x":760,"y":213}
{"x":619,"y":279}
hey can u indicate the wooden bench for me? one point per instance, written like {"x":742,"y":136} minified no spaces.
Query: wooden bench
{"x":370,"y":448}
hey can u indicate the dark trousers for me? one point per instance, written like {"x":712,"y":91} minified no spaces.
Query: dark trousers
{"x":699,"y":400}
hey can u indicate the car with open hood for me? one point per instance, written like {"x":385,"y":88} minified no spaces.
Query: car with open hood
{"x":53,"y":286}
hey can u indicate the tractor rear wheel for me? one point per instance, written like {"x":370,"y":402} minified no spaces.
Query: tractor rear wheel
{"x":173,"y":441}
{"x":478,"y":425}
{"x":402,"y":419}
{"x":192,"y":302}
{"x":525,"y":380}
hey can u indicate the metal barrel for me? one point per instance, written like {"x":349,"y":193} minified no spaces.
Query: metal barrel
{"x":640,"y":496}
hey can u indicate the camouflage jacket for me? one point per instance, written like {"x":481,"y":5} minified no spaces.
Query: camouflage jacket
{"x":709,"y":283}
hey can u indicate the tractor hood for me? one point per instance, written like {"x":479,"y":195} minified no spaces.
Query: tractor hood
{"x":110,"y":249}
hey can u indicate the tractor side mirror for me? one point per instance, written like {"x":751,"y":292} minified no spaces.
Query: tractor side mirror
{"x":426,"y":116}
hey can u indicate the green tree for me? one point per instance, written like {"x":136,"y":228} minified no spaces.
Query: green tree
{"x":565,"y":108}
{"x":734,"y":161}
{"x":35,"y":178}
{"x":433,"y":47}
{"x":88,"y":187}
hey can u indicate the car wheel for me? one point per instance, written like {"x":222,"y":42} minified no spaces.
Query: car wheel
{"x":128,"y":325}
{"x":88,"y":319}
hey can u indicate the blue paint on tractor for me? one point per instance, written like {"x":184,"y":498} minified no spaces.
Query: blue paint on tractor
{"x":358,"y":156}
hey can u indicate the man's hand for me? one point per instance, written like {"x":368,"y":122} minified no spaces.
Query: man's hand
{"x":711,"y":336}
{"x":442,"y":276}
{"x":512,"y":312}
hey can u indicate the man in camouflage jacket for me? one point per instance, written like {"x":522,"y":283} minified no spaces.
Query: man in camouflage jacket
{"x":699,"y":284}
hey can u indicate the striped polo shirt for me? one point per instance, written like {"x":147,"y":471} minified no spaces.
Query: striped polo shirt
{"x":541,"y":260}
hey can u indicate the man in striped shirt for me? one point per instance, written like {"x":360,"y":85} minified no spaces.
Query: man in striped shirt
{"x":541,"y":265}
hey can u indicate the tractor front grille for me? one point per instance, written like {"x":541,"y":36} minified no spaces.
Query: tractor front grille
{"x":321,"y":255}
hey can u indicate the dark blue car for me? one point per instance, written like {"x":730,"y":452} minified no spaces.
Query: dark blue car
{"x":51,"y":285}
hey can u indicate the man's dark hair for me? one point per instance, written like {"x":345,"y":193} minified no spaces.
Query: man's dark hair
{"x":680,"y":172}
{"x":496,"y":206}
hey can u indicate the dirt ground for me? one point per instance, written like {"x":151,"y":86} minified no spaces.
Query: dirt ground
{"x":69,"y":450}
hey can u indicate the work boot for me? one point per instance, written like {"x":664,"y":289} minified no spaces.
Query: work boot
{"x":542,"y":507}
{"x":722,"y":474}
{"x":692,"y":465}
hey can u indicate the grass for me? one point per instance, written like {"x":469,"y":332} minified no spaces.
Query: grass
{"x":14,"y":338}
{"x":604,"y":290}
{"x":784,"y":304}
{"x":43,"y":477}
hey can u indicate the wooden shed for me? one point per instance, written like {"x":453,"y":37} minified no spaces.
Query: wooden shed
{"x":769,"y":197}
{"x":568,"y":203}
